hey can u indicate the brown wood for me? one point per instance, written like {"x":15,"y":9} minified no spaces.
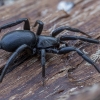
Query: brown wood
{"x":25,"y":82}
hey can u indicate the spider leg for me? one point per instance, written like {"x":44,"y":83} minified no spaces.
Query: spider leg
{"x":18,"y":62}
{"x":40,"y":27}
{"x":63,"y":38}
{"x":43,"y":53}
{"x":12,"y":58}
{"x":60,"y":29}
{"x":69,"y":49}
{"x":26,"y":24}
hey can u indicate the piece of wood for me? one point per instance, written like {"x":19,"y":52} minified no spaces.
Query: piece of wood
{"x":25,"y":82}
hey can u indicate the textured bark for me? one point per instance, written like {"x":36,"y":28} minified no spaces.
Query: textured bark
{"x":25,"y":81}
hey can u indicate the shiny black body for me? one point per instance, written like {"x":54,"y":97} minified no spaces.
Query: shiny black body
{"x":45,"y":42}
{"x":12,"y":40}
{"x":19,"y":40}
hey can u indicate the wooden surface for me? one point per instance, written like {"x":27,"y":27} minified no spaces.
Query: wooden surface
{"x":25,"y":82}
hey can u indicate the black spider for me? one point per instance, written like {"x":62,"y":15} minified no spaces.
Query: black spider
{"x":19,"y":40}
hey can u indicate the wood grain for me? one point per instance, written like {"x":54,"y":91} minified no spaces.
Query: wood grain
{"x":25,"y":82}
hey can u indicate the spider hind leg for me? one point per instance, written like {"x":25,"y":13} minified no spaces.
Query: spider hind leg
{"x":12,"y":59}
{"x":11,"y":24}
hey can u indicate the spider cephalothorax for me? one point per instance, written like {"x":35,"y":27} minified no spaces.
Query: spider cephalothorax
{"x":19,"y":40}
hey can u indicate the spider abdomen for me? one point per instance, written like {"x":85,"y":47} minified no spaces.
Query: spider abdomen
{"x":12,"y":40}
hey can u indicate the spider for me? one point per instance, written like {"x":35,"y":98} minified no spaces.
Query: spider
{"x":18,"y":40}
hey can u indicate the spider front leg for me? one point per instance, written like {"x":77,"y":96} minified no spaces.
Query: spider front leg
{"x":11,"y":24}
{"x":60,"y":29}
{"x":69,"y":37}
{"x":43,"y":53}
{"x":12,"y":58}
{"x":69,"y":49}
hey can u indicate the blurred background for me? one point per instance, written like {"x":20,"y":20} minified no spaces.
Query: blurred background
{"x":6,"y":2}
{"x":80,"y":83}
